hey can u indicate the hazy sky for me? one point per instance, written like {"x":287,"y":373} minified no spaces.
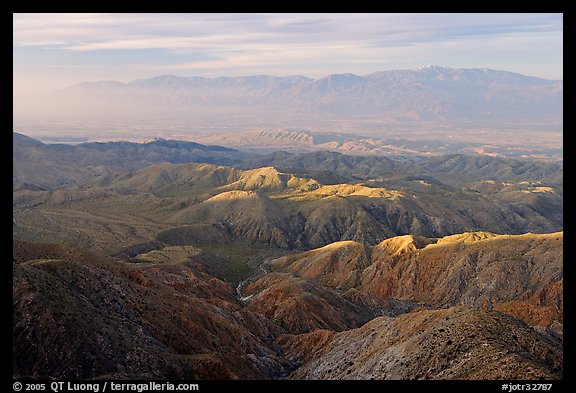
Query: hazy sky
{"x":58,"y":50}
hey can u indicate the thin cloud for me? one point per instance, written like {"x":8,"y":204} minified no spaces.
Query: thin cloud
{"x":262,"y":43}
{"x":105,"y":31}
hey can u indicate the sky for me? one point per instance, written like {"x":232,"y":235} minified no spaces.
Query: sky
{"x":53,"y":51}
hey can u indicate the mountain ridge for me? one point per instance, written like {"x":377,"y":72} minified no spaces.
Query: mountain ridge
{"x":50,"y":165}
{"x":295,"y":211}
{"x":521,"y":275}
{"x":416,"y":72}
{"x":173,"y":320}
{"x":439,"y":344}
{"x":424,"y":94}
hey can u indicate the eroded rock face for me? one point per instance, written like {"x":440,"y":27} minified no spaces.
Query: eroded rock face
{"x":454,"y":343}
{"x":337,"y":265}
{"x":518,"y":274}
{"x":521,"y":275}
{"x":302,"y":306}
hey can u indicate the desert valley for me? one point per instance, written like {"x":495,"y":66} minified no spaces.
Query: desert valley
{"x":301,"y":223}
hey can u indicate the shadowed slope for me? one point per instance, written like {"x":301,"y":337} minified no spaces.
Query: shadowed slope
{"x":79,"y":317}
{"x":443,"y":344}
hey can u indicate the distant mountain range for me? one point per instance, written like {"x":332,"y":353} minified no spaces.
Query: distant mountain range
{"x":428,"y":93}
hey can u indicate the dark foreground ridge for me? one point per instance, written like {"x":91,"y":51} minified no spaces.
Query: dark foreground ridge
{"x":81,"y":316}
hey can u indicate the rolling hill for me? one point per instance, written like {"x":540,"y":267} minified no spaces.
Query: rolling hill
{"x":50,"y":165}
{"x":269,"y":207}
{"x":459,"y":167}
